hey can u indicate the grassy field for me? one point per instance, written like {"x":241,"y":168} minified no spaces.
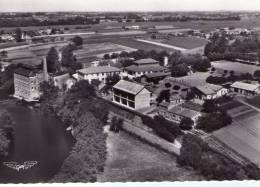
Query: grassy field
{"x":186,"y":42}
{"x":132,"y":160}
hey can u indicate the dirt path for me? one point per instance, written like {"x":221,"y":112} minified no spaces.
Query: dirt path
{"x":132,"y":160}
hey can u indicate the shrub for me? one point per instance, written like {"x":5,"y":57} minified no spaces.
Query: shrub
{"x":176,"y":87}
{"x":168,"y":85}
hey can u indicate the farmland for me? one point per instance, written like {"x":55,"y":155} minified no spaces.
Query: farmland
{"x":141,"y":162}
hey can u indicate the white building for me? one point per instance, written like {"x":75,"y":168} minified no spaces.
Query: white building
{"x":98,"y":73}
{"x":131,"y":95}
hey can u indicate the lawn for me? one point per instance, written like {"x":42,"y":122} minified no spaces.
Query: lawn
{"x":129,"y":159}
{"x":186,"y":42}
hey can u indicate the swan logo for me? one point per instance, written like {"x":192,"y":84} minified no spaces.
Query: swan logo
{"x":18,"y":167}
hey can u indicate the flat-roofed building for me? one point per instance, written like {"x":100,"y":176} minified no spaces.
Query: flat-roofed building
{"x":131,"y":95}
{"x":245,"y":88}
{"x":100,"y":73}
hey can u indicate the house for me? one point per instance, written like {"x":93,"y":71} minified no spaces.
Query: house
{"x":64,"y":80}
{"x":246,"y":89}
{"x":209,"y":91}
{"x":99,"y":73}
{"x":131,"y":95}
{"x":177,"y":113}
{"x":142,"y":67}
{"x":27,"y":81}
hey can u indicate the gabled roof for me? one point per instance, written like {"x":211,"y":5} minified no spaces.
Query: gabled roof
{"x":145,"y":61}
{"x":98,"y":69}
{"x":129,"y":87}
{"x":245,"y":86}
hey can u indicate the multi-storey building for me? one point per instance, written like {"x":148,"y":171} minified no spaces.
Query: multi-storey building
{"x":27,"y":81}
{"x":100,"y":73}
{"x":131,"y":95}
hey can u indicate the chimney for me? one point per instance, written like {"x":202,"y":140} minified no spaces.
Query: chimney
{"x":165,"y":61}
{"x":45,"y":70}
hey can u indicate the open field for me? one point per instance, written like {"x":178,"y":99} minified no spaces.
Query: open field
{"x":161,"y":44}
{"x":100,"y":49}
{"x":234,"y":66}
{"x":11,"y":44}
{"x":129,"y":159}
{"x":186,"y":42}
{"x":195,"y":79}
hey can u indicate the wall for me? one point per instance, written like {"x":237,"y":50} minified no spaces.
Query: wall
{"x":136,"y":127}
{"x":142,"y":99}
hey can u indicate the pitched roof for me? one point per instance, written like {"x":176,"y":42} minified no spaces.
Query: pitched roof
{"x":129,"y":87}
{"x":245,"y":86}
{"x":184,"y":112}
{"x":145,"y":61}
{"x":98,"y":69}
{"x":136,"y":68}
{"x":209,"y":89}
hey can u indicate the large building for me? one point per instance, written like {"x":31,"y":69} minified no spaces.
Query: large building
{"x":131,"y":95}
{"x":100,"y":73}
{"x":142,"y":67}
{"x":27,"y":81}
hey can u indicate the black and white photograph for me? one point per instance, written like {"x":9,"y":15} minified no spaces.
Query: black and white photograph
{"x":98,"y":91}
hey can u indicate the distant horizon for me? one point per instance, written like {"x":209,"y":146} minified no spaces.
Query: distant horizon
{"x":7,"y":6}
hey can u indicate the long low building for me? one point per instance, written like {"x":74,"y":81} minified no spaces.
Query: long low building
{"x":245,"y":88}
{"x":100,"y":73}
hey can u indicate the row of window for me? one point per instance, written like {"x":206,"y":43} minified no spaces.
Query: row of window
{"x":124,"y":102}
{"x":124,"y":94}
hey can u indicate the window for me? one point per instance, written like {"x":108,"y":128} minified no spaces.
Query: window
{"x":131,"y":97}
{"x":117,"y":99}
{"x":131,"y":104}
{"x":124,"y":101}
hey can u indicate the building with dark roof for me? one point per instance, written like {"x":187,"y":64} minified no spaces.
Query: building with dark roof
{"x":209,"y":91}
{"x":131,"y":95}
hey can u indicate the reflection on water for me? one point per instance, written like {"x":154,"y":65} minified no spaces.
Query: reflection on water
{"x":38,"y":138}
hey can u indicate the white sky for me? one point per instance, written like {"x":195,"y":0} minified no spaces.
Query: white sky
{"x":127,"y":5}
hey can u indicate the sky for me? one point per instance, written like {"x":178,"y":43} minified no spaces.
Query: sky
{"x":128,"y":5}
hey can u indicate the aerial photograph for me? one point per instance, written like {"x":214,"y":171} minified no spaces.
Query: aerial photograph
{"x":97,"y":91}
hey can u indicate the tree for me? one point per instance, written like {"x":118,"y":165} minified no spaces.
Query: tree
{"x":52,"y":60}
{"x":112,"y":79}
{"x":179,"y":70}
{"x":209,"y":106}
{"x":18,"y":35}
{"x":116,"y":124}
{"x":68,"y":59}
{"x":186,"y":124}
{"x":78,"y":41}
{"x":4,"y":144}
{"x":164,"y":95}
{"x":49,"y":91}
{"x":82,"y":90}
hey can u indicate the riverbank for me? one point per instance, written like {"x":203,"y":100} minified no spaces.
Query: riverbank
{"x":88,"y":155}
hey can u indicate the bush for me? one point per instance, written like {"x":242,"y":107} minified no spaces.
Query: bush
{"x":186,"y":124}
{"x":168,"y":85}
{"x":176,"y":87}
{"x":116,"y":124}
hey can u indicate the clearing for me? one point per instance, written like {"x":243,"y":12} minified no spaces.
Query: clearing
{"x":129,"y":159}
